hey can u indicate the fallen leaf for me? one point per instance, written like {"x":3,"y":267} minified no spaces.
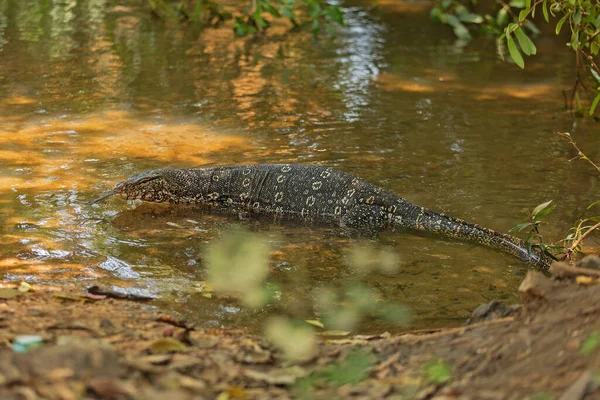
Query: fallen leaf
{"x":223,"y":396}
{"x":94,"y":296}
{"x":107,"y":387}
{"x":286,"y":377}
{"x":69,"y":297}
{"x":315,"y":322}
{"x":334,"y":333}
{"x":586,"y":280}
{"x":346,"y":341}
{"x":236,"y":392}
{"x":24,"y":287}
{"x":192,"y":384}
{"x":8,"y":293}
{"x":383,"y":335}
{"x":182,"y":361}
{"x":167,"y":345}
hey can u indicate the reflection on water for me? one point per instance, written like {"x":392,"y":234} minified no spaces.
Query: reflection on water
{"x":93,"y":92}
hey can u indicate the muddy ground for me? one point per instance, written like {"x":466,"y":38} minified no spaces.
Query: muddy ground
{"x":122,"y":349}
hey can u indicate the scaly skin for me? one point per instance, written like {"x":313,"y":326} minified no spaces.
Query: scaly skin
{"x":310,"y":192}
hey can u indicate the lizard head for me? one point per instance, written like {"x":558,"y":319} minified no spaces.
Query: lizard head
{"x":156,"y":185}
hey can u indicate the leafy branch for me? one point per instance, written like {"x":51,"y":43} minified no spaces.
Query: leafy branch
{"x":534,"y":238}
{"x":513,"y":25}
{"x":580,"y":230}
{"x":580,"y":154}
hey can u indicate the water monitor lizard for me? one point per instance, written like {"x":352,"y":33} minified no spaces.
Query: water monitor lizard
{"x":310,"y":192}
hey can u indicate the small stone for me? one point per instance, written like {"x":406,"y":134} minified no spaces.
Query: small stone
{"x":535,"y":286}
{"x":492,"y":310}
{"x":592,"y":262}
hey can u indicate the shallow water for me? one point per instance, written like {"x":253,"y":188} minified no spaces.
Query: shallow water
{"x":93,"y":92}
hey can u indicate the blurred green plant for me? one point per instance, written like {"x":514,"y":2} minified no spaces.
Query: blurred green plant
{"x":591,"y":343}
{"x":257,"y":15}
{"x":295,"y":339}
{"x":513,"y":23}
{"x":437,"y":372}
{"x":238,"y":263}
{"x":344,"y":307}
{"x":352,"y":369}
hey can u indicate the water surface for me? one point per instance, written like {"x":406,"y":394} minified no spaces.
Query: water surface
{"x":93,"y":92}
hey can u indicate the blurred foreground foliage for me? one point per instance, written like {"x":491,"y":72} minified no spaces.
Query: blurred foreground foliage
{"x":255,"y":15}
{"x":238,"y":263}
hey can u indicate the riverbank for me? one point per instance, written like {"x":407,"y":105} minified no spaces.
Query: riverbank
{"x":97,"y":347}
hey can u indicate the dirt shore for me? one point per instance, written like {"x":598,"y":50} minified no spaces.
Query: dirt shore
{"x":122,"y":349}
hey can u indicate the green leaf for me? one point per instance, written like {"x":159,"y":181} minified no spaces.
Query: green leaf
{"x":271,"y":10}
{"x":240,"y":27}
{"x":540,"y":207}
{"x":594,"y":47}
{"x":471,"y":18}
{"x":517,"y":3}
{"x":594,"y":104}
{"x":314,"y":10}
{"x":460,"y":30}
{"x":287,"y":12}
{"x":575,"y":41}
{"x":545,"y":10}
{"x":523,"y":15}
{"x":502,"y":18}
{"x":526,"y":44}
{"x":316,"y":27}
{"x":465,"y":16}
{"x":577,"y":17}
{"x":593,"y":204}
{"x":514,"y":52}
{"x":590,"y":343}
{"x":435,"y":14}
{"x":542,"y":213}
{"x":560,"y":23}
{"x":520,"y":227}
{"x":335,"y":13}
{"x":510,"y":28}
{"x":260,"y":21}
